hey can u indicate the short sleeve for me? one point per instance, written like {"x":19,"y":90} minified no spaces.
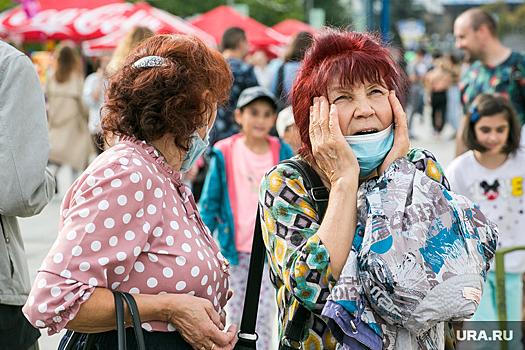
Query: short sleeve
{"x":102,"y":230}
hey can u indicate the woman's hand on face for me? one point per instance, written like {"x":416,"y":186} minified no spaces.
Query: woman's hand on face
{"x":331,"y":152}
{"x":201,"y":326}
{"x":401,"y":141}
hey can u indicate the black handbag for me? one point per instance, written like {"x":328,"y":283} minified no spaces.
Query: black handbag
{"x":82,"y":341}
{"x":247,"y":337}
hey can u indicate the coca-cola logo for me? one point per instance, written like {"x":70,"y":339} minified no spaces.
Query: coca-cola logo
{"x":85,"y":22}
{"x":111,"y":18}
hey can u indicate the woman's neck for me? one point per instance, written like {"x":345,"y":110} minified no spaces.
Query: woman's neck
{"x":172,"y":155}
{"x":490,"y":161}
{"x":256,"y":145}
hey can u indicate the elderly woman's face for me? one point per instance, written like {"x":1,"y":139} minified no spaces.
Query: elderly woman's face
{"x":363,"y":108}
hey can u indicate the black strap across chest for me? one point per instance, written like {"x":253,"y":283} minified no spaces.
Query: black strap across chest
{"x":247,"y":337}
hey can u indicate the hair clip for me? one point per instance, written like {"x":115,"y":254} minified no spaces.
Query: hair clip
{"x":474,"y":116}
{"x":150,"y":62}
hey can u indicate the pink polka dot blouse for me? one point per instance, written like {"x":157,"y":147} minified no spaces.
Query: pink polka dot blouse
{"x":128,"y":224}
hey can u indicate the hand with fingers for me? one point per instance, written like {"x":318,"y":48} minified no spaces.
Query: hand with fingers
{"x":332,"y":154}
{"x":201,"y":326}
{"x":401,"y":140}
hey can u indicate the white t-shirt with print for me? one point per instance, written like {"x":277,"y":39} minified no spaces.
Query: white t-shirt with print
{"x":499,"y":193}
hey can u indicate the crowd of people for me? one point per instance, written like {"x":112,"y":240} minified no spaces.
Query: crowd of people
{"x":433,"y":80}
{"x":174,"y":146}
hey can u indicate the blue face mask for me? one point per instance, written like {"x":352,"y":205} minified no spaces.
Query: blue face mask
{"x":371,"y":149}
{"x":197,"y":148}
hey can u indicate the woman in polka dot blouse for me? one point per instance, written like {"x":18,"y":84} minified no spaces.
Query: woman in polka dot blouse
{"x":129,"y":224}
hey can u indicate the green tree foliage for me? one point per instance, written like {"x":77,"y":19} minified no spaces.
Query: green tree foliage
{"x":336,"y":14}
{"x":6,"y":5}
{"x":511,"y":18}
{"x":506,"y":19}
{"x":268,"y":12}
{"x":271,"y":12}
{"x":185,"y":8}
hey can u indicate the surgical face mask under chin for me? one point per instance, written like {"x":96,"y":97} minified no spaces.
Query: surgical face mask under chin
{"x":371,"y":149}
{"x":197,"y":148}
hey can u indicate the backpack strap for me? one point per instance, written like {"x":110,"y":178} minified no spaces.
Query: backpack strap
{"x":313,"y":184}
{"x":247,"y":337}
{"x":279,"y":93}
{"x":280,"y":82}
{"x":516,"y":76}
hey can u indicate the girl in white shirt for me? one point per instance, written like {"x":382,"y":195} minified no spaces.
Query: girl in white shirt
{"x":491,"y":174}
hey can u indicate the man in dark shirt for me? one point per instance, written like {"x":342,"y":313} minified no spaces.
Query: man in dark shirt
{"x":234,"y":47}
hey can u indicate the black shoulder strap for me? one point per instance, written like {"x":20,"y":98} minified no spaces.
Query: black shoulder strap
{"x":516,"y":76}
{"x":280,"y":82}
{"x":313,"y":184}
{"x":247,"y":337}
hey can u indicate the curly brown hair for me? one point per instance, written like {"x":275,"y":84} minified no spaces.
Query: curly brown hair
{"x":173,"y":99}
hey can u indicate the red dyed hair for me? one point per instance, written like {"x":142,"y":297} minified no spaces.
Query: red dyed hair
{"x":356,"y":58}
{"x":149,"y":103}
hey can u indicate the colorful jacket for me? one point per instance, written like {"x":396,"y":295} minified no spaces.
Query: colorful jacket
{"x":299,"y":262}
{"x":218,"y":199}
{"x":418,"y":248}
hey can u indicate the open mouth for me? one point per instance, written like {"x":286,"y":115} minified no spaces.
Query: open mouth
{"x":366,"y":132}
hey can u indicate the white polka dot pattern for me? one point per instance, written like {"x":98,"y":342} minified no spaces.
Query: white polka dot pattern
{"x":124,"y":226}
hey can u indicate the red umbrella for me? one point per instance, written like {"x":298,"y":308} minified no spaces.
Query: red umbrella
{"x":81,"y":20}
{"x":58,"y":20}
{"x":159,"y":21}
{"x":216,"y":21}
{"x":290,"y":27}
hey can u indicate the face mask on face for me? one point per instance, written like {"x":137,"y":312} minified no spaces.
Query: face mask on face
{"x":371,"y":150}
{"x":197,"y":148}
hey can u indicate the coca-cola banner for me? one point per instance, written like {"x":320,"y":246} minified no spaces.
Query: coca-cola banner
{"x":81,"y":20}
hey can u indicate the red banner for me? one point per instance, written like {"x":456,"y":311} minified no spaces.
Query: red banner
{"x":84,"y":20}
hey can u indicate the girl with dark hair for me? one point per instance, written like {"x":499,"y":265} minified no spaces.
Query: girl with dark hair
{"x":282,"y":85}
{"x":491,"y":174}
{"x":129,"y":224}
{"x":354,"y":135}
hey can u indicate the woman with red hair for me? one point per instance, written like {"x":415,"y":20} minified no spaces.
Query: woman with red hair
{"x":352,"y":127}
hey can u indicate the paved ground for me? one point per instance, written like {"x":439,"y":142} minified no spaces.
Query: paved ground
{"x":40,"y":231}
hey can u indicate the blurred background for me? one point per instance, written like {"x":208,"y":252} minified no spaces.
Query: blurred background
{"x":96,"y":26}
